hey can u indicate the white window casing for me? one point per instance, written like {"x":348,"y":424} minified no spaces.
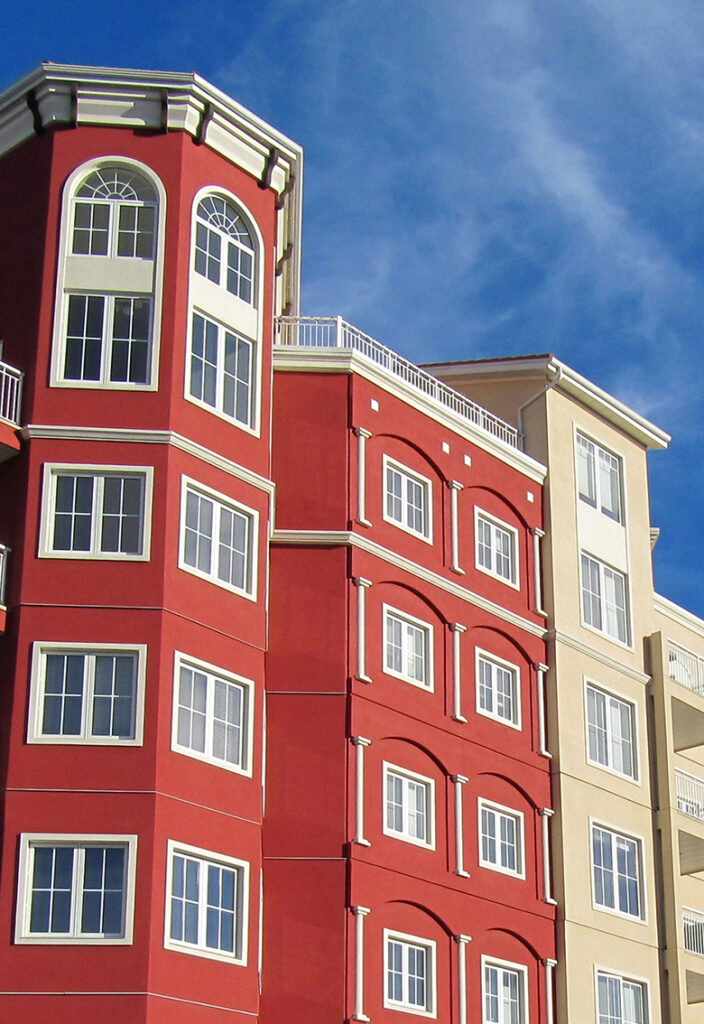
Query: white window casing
{"x":410,"y":974}
{"x":501,"y":838}
{"x":504,"y":992}
{"x":408,"y":648}
{"x":617,"y":872}
{"x":498,"y":689}
{"x":621,"y":999}
{"x":605,"y":601}
{"x":87,"y":693}
{"x":612,"y":735}
{"x":96,"y":512}
{"x":496,"y":548}
{"x":407,"y":499}
{"x":599,"y":477}
{"x":408,"y":806}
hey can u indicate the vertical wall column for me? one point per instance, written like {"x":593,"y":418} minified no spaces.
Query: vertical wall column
{"x":462,"y":941}
{"x":362,"y":435}
{"x":546,"y":814}
{"x":550,"y":966}
{"x":540,"y":670}
{"x":359,"y":742}
{"x":455,"y":488}
{"x":457,"y":631}
{"x":459,"y":781}
{"x":361,"y":584}
{"x":537,"y":570}
{"x":359,"y":914}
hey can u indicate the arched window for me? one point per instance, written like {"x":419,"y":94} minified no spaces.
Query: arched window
{"x":109,"y":281}
{"x":222,"y":373}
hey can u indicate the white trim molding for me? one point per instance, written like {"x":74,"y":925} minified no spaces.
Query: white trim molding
{"x":549,"y":965}
{"x":457,"y":630}
{"x":359,"y":914}
{"x":462,"y":941}
{"x":361,"y":584}
{"x":455,"y":488}
{"x":546,"y":814}
{"x":459,"y":781}
{"x":540,"y":670}
{"x":538,"y":535}
{"x":359,"y":743}
{"x":362,"y":436}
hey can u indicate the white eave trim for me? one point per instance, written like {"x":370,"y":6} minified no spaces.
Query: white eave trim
{"x":329,"y":360}
{"x":678,"y":614}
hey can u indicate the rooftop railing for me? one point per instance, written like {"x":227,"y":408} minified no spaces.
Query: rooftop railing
{"x":10,"y":394}
{"x":689,"y":790}
{"x":4,"y":552}
{"x":693,"y":930}
{"x":333,"y":332}
{"x":685,"y":668}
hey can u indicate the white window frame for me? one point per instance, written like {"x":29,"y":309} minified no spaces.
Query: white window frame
{"x":241,"y":318}
{"x":28,"y":842}
{"x":214,"y":673}
{"x":430,"y":981}
{"x":480,"y":515}
{"x":231,"y":505}
{"x":40,"y":650}
{"x":616,"y":834}
{"x":482,"y":655}
{"x":108,"y":276}
{"x":642,"y":983}
{"x":255,"y":373}
{"x":408,"y":475}
{"x":521,"y":971}
{"x":501,"y":811}
{"x":53,"y":470}
{"x":604,"y":567}
{"x":610,"y":696}
{"x":387,"y":768}
{"x":598,"y":452}
{"x":219,"y":860}
{"x":389,"y":612}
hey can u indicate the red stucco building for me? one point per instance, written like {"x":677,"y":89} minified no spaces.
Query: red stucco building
{"x":273,"y":725}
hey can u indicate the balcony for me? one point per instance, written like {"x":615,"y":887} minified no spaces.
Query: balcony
{"x":10,"y":405}
{"x":685,"y":668}
{"x":693,"y":930}
{"x":689,"y":790}
{"x":332,"y":332}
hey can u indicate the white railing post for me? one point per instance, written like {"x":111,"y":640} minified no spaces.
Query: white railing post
{"x":455,"y":488}
{"x":540,"y":671}
{"x":462,"y":941}
{"x":361,"y":584}
{"x":689,"y":792}
{"x":359,"y":914}
{"x":359,"y":743}
{"x":362,"y":436}
{"x":685,"y":667}
{"x":339,"y":322}
{"x":458,"y":782}
{"x":457,"y":631}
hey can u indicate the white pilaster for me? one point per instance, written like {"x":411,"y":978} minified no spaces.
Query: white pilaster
{"x":457,"y":631}
{"x":537,"y":570}
{"x":550,"y":966}
{"x":542,"y":710}
{"x":359,"y":914}
{"x":362,"y":434}
{"x":462,"y":941}
{"x":360,"y":742}
{"x":546,"y":814}
{"x":455,"y":488}
{"x":361,"y":584}
{"x":459,"y":781}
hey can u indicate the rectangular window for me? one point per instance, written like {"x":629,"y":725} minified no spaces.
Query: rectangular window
{"x":218,"y":539}
{"x":409,"y":967}
{"x":621,"y":1001}
{"x":604,"y":599}
{"x":108,"y":339}
{"x":599,"y":477}
{"x":407,"y":500}
{"x":496,"y":546}
{"x":611,"y":732}
{"x":501,"y":841}
{"x":505,"y":993}
{"x":96,"y":512}
{"x":76,"y":889}
{"x":212,"y":715}
{"x":408,"y":648}
{"x":498,"y":691}
{"x":222,"y":371}
{"x":409,"y":806}
{"x":87,"y":694}
{"x":617,"y":872}
{"x":207,"y":905}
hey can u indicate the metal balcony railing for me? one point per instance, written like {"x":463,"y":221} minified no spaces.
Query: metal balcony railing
{"x":693,"y":930}
{"x":685,"y":668}
{"x":4,"y":552}
{"x":689,"y":790}
{"x":10,"y":394}
{"x":334,"y":332}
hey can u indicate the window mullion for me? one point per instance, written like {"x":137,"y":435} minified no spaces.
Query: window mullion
{"x":89,"y":668}
{"x":215,"y":539}
{"x":77,"y":889}
{"x":202,"y":902}
{"x":209,"y":714}
{"x":97,"y":514}
{"x":220,"y":370}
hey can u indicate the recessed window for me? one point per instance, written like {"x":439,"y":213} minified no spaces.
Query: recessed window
{"x":498,"y":694}
{"x":408,"y":648}
{"x":96,"y":512}
{"x":617,"y":865}
{"x":611,"y":732}
{"x":496,"y":546}
{"x":218,"y":539}
{"x":87,"y":694}
{"x":505,"y":994}
{"x":221,"y":370}
{"x":207,"y":904}
{"x":407,"y":500}
{"x":212,"y":715}
{"x":409,"y":969}
{"x":501,"y":843}
{"x":409,"y":806}
{"x":621,"y":1000}
{"x":76,"y":889}
{"x":224,"y":251}
{"x":599,"y":478}
{"x":604,"y":599}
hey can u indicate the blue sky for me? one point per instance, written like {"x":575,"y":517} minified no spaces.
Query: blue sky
{"x":484,"y":178}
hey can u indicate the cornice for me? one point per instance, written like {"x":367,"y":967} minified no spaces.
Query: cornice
{"x":680,"y":615}
{"x":329,"y":360}
{"x":347,"y":538}
{"x":591,"y":652}
{"x":125,"y":436}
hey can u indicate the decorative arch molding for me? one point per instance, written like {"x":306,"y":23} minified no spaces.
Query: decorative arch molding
{"x":423,"y":910}
{"x":432,"y":607}
{"x":512,"y":784}
{"x":419,"y":746}
{"x":481,"y":488}
{"x":521,"y":939}
{"x":419,"y":451}
{"x":514,"y":643}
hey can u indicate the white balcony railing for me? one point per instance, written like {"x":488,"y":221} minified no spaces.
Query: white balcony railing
{"x":4,"y":552}
{"x":10,"y":394}
{"x":685,"y":668}
{"x":689,"y":790}
{"x":334,"y":332}
{"x":693,"y":930}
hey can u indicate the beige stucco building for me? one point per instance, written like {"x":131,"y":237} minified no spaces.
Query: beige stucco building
{"x":625,"y":696}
